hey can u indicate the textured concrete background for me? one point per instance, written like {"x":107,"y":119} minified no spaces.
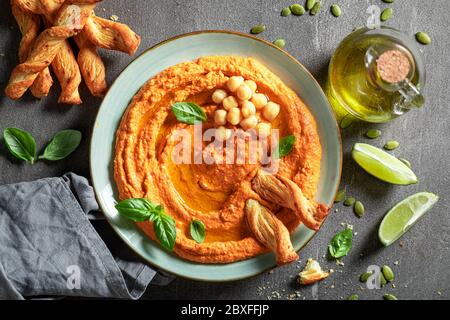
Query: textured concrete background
{"x":422,"y":271}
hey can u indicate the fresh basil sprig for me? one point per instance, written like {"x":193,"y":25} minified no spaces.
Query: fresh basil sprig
{"x":341,"y":244}
{"x":188,"y":112}
{"x":197,"y":230}
{"x":285,"y":146}
{"x":140,"y":210}
{"x":62,"y":145}
{"x":20,"y":143}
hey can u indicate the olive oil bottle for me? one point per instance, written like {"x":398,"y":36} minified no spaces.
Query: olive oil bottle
{"x":376,"y":75}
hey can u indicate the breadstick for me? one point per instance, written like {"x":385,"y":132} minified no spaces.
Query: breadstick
{"x":29,"y":27}
{"x":270,"y":231}
{"x":91,"y":66}
{"x":64,"y":65}
{"x":70,"y":20}
{"x":111,"y":35}
{"x":66,"y":69}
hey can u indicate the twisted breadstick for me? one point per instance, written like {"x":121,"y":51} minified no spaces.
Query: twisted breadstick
{"x":270,"y":231}
{"x":286,"y":193}
{"x":91,"y":66}
{"x":69,"y":21}
{"x":111,"y":35}
{"x":29,"y":27}
{"x":66,"y":69}
{"x":64,"y":64}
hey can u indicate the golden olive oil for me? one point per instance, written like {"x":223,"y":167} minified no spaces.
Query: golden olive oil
{"x":352,"y":88}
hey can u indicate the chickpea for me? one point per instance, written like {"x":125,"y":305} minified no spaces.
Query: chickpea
{"x":223,"y":134}
{"x":252,"y":85}
{"x":229,"y":103}
{"x":234,"y":116}
{"x":259,"y":100}
{"x":271,"y":111}
{"x":219,"y":95}
{"x":249,"y":123}
{"x":244,"y":92}
{"x":220,"y":117}
{"x":234,"y":83}
{"x":248,"y":109}
{"x":264,"y":129}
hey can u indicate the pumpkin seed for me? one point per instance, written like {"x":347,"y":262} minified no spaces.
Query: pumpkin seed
{"x":340,"y":196}
{"x":388,"y":1}
{"x":347,"y":121}
{"x":310,"y":4}
{"x":388,"y":273}
{"x":365,"y":276}
{"x":383,"y":280}
{"x":386,"y":14}
{"x":359,"y":209}
{"x":316,"y":9}
{"x":286,"y":12}
{"x":391,"y":145}
{"x":389,"y":297}
{"x":405,"y":162}
{"x":373,"y":133}
{"x":353,"y":297}
{"x":258,"y":29}
{"x":423,"y":38}
{"x":336,"y":10}
{"x":280,"y":43}
{"x":349,"y":202}
{"x":297,"y":9}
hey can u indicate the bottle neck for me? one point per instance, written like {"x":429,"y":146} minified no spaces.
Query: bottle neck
{"x":391,"y":68}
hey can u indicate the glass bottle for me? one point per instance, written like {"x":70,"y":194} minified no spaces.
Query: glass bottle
{"x":376,"y":75}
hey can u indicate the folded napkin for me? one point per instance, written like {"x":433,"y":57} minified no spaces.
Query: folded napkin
{"x":48,"y":246}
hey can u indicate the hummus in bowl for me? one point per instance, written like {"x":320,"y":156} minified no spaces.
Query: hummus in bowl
{"x":115,"y":109}
{"x":246,"y":207}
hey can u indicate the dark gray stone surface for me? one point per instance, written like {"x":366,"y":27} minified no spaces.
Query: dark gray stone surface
{"x":423,"y":261}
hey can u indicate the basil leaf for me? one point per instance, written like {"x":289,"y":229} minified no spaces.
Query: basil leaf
{"x":284,"y":147}
{"x":21,"y":144}
{"x":138,"y":210}
{"x":197,"y":230}
{"x":188,"y":112}
{"x":341,"y":244}
{"x":165,"y":230}
{"x":62,"y":145}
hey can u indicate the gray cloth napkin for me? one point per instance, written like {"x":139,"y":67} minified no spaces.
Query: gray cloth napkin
{"x":48,"y":246}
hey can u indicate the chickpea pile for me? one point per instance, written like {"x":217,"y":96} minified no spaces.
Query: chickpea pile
{"x":243,"y":107}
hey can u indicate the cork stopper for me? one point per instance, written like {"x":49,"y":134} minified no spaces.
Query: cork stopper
{"x":393,"y":66}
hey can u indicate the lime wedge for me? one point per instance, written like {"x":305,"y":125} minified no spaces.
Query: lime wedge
{"x":404,"y":215}
{"x":382,"y":165}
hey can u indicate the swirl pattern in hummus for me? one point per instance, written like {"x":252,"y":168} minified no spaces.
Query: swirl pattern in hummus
{"x":214,"y":194}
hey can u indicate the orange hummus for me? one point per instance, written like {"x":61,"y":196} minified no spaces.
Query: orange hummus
{"x":215,"y":194}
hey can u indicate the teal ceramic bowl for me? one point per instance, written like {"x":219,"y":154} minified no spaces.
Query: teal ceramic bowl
{"x":186,"y":48}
